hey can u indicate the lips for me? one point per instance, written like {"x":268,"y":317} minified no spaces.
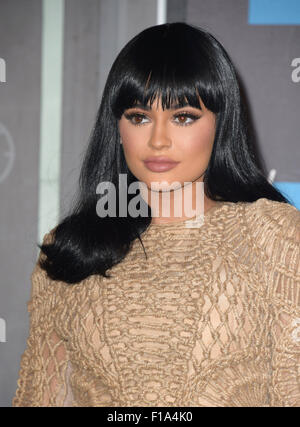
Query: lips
{"x":163,"y":159}
{"x":160,"y":164}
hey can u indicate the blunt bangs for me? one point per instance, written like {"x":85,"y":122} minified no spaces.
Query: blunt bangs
{"x":177,"y":68}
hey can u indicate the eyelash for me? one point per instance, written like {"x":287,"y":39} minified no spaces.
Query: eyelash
{"x":130,"y":116}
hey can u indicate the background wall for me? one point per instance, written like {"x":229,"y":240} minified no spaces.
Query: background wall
{"x":54,"y":60}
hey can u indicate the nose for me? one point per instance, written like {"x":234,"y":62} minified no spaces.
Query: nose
{"x":159,"y":136}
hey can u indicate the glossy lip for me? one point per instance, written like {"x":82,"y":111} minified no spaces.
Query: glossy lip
{"x":160,"y":166}
{"x":162,"y":159}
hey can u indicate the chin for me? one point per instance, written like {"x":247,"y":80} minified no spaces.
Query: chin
{"x":164,"y":185}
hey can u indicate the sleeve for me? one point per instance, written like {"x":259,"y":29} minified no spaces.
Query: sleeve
{"x":278,"y":234}
{"x":285,"y":332}
{"x":44,"y":368}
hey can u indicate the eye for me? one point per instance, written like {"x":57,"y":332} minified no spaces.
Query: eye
{"x":190,"y":116}
{"x":132,"y":116}
{"x":139,"y":116}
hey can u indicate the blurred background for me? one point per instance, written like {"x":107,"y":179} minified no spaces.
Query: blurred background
{"x":54,"y":59}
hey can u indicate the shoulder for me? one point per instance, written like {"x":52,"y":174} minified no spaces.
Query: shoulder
{"x":274,"y":230}
{"x":266,"y":219}
{"x":39,"y":278}
{"x":49,"y":236}
{"x":274,"y":212}
{"x":269,"y":229}
{"x":272,"y":222}
{"x":45,"y":296}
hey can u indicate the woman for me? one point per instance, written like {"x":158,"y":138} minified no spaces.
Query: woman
{"x":187,"y":316}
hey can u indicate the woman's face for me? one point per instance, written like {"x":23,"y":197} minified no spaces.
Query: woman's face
{"x":185,"y":135}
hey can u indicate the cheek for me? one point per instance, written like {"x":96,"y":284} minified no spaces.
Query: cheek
{"x":128,"y":141}
{"x":131,"y":139}
{"x":132,"y":153}
{"x":133,"y":149}
{"x":198,"y":143}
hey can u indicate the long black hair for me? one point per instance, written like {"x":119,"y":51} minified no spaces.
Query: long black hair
{"x":175,"y":62}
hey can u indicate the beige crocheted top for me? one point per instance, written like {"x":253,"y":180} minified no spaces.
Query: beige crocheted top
{"x":211,"y":318}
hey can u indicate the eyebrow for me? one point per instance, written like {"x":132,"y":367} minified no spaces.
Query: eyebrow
{"x":174,"y":107}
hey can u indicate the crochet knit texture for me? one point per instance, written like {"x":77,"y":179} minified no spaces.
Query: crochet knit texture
{"x":211,"y":318}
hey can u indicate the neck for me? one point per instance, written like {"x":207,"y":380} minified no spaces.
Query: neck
{"x":177,"y":204}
